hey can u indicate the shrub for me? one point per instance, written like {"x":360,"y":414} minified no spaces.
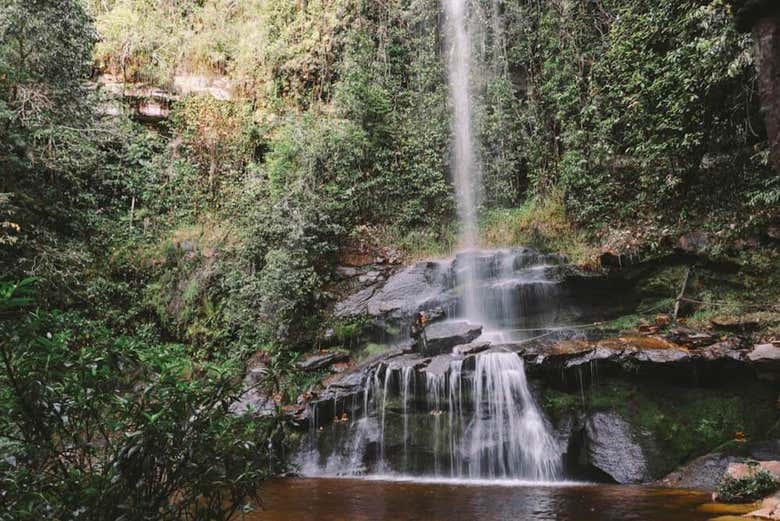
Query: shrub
{"x":99,"y":426}
{"x":757,"y":484}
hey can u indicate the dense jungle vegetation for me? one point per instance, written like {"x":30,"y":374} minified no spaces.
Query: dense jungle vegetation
{"x":143,"y":264}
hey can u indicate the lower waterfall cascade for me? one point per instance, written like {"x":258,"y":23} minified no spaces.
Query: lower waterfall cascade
{"x":462,"y":417}
{"x":481,"y":423}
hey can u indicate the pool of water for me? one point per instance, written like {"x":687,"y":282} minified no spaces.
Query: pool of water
{"x":397,"y":500}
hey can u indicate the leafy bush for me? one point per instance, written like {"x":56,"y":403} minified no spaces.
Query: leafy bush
{"x":99,"y":426}
{"x":220,"y":137}
{"x":756,"y":485}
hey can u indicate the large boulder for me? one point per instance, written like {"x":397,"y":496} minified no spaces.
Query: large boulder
{"x":744,"y":470}
{"x":770,"y":509}
{"x":703,"y":473}
{"x":443,"y":336}
{"x":768,"y":354}
{"x":611,"y":448}
{"x":255,"y":399}
{"x":392,"y":303}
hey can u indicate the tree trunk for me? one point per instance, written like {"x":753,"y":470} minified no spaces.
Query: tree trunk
{"x":766,"y":33}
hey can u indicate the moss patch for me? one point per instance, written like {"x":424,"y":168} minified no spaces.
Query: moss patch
{"x":541,"y":223}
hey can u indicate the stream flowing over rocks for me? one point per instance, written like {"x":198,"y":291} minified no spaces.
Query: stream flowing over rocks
{"x":528,"y":393}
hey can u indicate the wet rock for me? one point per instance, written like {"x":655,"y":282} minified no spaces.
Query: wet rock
{"x":612,"y":450}
{"x":703,"y":473}
{"x":426,"y":285}
{"x":254,"y":399}
{"x":322,"y":359}
{"x":443,"y":336}
{"x":352,"y":380}
{"x":663,"y":356}
{"x":729,"y":349}
{"x":439,"y":365}
{"x":413,"y":360}
{"x":472,"y":348}
{"x":372,"y":277}
{"x":547,"y":353}
{"x":765,"y":353}
{"x":647,"y":349}
{"x":766,"y":359}
{"x":595,"y":354}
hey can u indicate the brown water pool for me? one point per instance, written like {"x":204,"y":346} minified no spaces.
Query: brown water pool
{"x":374,"y":500}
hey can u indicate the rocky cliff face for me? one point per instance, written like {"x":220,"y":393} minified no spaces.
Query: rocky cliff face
{"x":627,"y":410}
{"x":518,"y":288}
{"x":625,"y":407}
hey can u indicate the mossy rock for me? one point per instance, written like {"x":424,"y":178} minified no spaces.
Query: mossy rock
{"x":673,"y":424}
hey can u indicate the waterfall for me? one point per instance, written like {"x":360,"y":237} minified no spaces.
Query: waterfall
{"x":509,"y":437}
{"x":465,"y":172}
{"x":465,"y":169}
{"x":477,"y":419}
{"x":480,"y":424}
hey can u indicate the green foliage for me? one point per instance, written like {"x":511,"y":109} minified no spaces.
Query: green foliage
{"x":277,"y":51}
{"x":96,"y":425}
{"x":758,"y":484}
{"x":289,"y":285}
{"x":49,"y":143}
{"x":639,"y":106}
{"x":541,"y":222}
{"x":220,"y":137}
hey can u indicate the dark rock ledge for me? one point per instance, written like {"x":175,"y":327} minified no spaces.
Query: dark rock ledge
{"x":651,"y":355}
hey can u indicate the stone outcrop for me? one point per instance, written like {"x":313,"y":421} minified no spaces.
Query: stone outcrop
{"x":743,"y":470}
{"x":611,"y":437}
{"x":611,"y":448}
{"x":770,"y":509}
{"x":703,"y":473}
{"x":452,"y":340}
{"x":393,"y":302}
{"x":254,"y":399}
{"x":766,"y":359}
{"x":706,"y":472}
{"x":443,"y":336}
{"x":389,"y":298}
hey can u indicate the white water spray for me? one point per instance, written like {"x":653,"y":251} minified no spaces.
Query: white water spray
{"x":509,"y":438}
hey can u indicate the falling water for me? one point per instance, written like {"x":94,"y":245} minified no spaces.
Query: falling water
{"x":477,"y":422}
{"x":465,"y":170}
{"x":406,"y":384}
{"x":509,"y":437}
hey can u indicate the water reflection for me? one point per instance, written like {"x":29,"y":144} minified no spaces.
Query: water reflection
{"x":371,"y":500}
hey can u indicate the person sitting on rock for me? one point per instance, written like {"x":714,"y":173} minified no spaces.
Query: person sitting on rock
{"x":418,"y":331}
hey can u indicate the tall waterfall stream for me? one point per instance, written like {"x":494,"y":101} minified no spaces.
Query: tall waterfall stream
{"x":462,"y":422}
